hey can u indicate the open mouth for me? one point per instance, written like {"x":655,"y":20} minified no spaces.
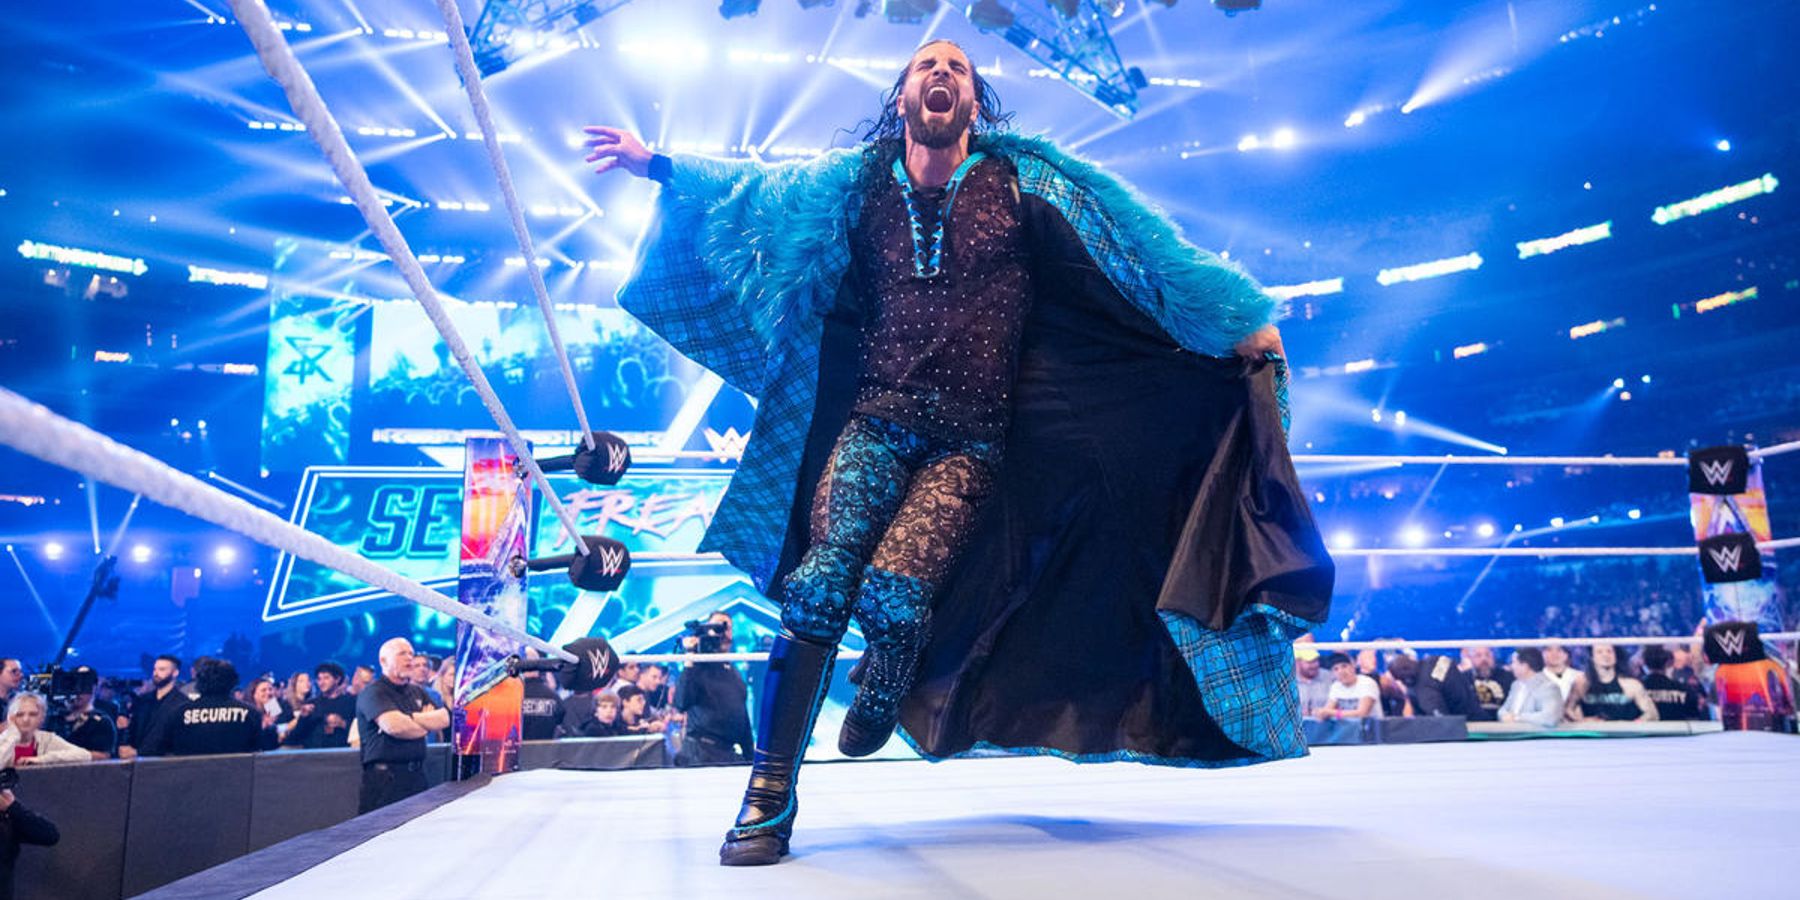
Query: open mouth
{"x":939,"y":99}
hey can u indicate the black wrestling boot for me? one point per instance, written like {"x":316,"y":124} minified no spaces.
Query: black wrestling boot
{"x":792,"y":691}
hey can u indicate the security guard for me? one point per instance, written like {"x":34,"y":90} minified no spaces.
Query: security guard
{"x":214,"y":722}
{"x":392,"y":718}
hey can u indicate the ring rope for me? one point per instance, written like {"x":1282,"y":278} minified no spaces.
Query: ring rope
{"x":1780,"y":544}
{"x":36,"y":431}
{"x":471,"y":79}
{"x":1630,"y":640}
{"x":278,"y":58}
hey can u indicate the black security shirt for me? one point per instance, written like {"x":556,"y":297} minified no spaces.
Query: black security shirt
{"x":539,"y":710}
{"x":383,"y":696}
{"x":217,"y":724}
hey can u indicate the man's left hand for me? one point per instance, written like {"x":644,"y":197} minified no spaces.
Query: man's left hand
{"x":1264,"y":339}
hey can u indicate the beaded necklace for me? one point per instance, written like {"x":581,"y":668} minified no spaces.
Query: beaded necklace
{"x":928,"y":247}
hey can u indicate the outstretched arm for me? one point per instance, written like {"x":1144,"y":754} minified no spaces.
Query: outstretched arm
{"x":616,"y":148}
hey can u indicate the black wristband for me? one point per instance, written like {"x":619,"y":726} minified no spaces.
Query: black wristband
{"x":662,"y":168}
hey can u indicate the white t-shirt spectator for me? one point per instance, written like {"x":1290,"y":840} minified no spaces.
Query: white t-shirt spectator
{"x":1348,"y":698}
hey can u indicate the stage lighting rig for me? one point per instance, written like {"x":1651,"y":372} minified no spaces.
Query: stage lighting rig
{"x":731,"y":9}
{"x":908,"y":12}
{"x":511,"y":30}
{"x":1071,"y":41}
{"x":1233,"y":7}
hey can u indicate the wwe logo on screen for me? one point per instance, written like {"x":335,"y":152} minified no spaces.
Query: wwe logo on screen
{"x":1732,"y":642}
{"x":1717,"y":472}
{"x":612,"y":559}
{"x":1727,"y":558}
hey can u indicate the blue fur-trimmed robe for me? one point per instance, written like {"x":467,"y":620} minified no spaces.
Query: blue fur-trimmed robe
{"x":743,"y":270}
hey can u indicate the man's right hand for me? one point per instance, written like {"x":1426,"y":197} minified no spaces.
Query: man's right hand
{"x":616,"y":148}
{"x":6,"y":800}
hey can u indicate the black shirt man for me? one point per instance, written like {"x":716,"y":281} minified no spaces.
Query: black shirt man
{"x":540,"y":708}
{"x":215,"y":722}
{"x":718,"y":720}
{"x":392,"y":718}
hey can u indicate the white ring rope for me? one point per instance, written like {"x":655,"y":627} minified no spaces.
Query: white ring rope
{"x":278,"y":58}
{"x":1391,"y":644}
{"x":1454,"y":460}
{"x":471,"y":79}
{"x":36,"y":431}
{"x":1631,"y":640}
{"x":1780,"y":544}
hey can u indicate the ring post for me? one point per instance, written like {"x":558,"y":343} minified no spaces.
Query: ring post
{"x":486,"y":716}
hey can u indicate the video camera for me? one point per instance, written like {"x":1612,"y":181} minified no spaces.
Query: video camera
{"x":61,"y":686}
{"x":711,"y":635}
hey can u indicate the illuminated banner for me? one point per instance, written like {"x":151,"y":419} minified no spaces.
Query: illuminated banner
{"x":410,"y":520}
{"x":311,"y":378}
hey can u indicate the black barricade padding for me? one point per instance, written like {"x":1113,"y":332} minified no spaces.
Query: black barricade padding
{"x":88,"y":804}
{"x":639,"y":752}
{"x":298,"y":791}
{"x":1725,"y":558}
{"x":1420,"y":730}
{"x":1718,"y":470}
{"x":186,"y":815}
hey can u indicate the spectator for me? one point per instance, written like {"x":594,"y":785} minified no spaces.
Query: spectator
{"x":653,"y":680}
{"x":19,"y":826}
{"x":213,"y":722}
{"x":1352,"y":695}
{"x":1606,"y":692}
{"x":1556,"y":668}
{"x":87,"y":728}
{"x":328,"y":722}
{"x":538,"y":710}
{"x":148,"y":703}
{"x":1313,"y":680}
{"x":25,"y":743}
{"x":296,"y":703}
{"x":263,"y":699}
{"x":360,"y":678}
{"x":577,"y":712}
{"x":1675,"y":700}
{"x":392,"y":719}
{"x":1534,"y":698}
{"x":631,"y":712}
{"x":1437,"y":687}
{"x":1491,"y":682}
{"x":627,"y":674}
{"x":423,"y":675}
{"x":12,"y":676}
{"x":605,"y":720}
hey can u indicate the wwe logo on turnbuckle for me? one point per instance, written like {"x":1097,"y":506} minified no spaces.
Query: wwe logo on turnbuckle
{"x":1732,"y":642}
{"x":1727,"y":558}
{"x":1716,"y":472}
{"x":611,"y":559}
{"x":618,"y":456}
{"x":597,"y":658}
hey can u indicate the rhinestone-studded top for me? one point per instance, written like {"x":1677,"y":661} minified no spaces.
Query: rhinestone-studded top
{"x":939,"y":354}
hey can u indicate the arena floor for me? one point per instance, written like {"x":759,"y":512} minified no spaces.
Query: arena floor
{"x":1705,"y":816}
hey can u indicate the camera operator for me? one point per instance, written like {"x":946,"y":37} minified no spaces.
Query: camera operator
{"x":87,"y":727}
{"x":18,"y":826}
{"x":715,"y":699}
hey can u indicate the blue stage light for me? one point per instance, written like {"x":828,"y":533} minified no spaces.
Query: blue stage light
{"x":140,"y":553}
{"x":1413,"y":536}
{"x":1485,"y":530}
{"x":1723,"y":146}
{"x":1343,"y":540}
{"x":53,"y":550}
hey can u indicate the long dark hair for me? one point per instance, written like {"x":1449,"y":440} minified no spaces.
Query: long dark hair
{"x":885,"y":134}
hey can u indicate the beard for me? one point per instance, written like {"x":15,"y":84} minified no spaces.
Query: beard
{"x":942,"y":134}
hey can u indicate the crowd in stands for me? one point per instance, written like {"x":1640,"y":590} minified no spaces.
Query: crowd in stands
{"x":1546,"y":688}
{"x":307,"y":710}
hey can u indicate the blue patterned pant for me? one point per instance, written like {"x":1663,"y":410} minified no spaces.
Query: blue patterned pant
{"x":891,"y":513}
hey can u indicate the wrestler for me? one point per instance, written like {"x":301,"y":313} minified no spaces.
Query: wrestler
{"x":880,"y":302}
